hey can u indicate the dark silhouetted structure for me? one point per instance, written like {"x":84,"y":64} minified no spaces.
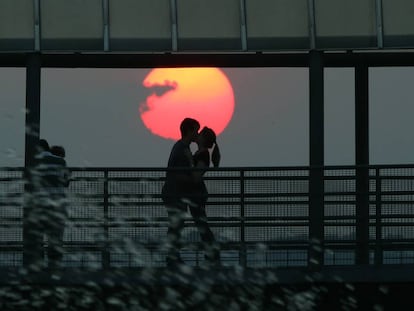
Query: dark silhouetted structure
{"x":48,"y":181}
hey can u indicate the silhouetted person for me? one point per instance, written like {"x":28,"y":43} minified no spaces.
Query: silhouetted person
{"x":206,"y":140}
{"x":49,"y":179}
{"x":58,"y":151}
{"x":178,"y":186}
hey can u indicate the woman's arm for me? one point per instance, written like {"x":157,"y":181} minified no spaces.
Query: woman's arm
{"x":201,"y":163}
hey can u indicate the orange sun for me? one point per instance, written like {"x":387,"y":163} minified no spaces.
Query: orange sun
{"x":204,"y":94}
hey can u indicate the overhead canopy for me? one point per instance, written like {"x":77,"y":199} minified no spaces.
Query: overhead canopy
{"x":201,"y":25}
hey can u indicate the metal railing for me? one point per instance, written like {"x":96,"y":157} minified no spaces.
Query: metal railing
{"x":259,"y":215}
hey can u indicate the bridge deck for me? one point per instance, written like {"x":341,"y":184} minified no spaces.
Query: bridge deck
{"x":184,"y":276}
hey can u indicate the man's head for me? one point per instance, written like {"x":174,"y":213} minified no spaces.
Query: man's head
{"x":42,"y":145}
{"x":189,"y":129}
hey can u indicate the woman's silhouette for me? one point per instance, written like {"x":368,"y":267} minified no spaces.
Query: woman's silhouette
{"x":206,"y":140}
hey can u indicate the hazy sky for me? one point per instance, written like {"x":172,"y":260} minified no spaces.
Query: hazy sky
{"x":94,"y":114}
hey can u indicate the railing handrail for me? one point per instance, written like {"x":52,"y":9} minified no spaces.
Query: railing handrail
{"x":232,"y":168}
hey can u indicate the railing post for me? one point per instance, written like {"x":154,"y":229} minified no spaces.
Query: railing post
{"x":106,"y":252}
{"x":316,"y":213}
{"x":243,"y":254}
{"x":378,"y":219}
{"x":362,"y":216}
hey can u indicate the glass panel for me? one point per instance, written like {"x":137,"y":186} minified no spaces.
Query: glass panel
{"x":72,"y":25}
{"x":12,"y":117}
{"x":277,"y":24}
{"x":16,"y":25}
{"x":339,"y":116}
{"x":140,"y":25}
{"x":390,"y":115}
{"x":398,"y":23}
{"x":208,"y":25}
{"x":345,"y":23}
{"x":87,"y":110}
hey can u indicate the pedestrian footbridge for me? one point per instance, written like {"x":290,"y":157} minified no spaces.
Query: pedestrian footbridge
{"x":262,"y":217}
{"x":348,"y":240}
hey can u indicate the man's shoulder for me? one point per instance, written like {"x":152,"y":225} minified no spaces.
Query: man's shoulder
{"x":180,"y":155}
{"x":179,"y":144}
{"x":178,"y":147}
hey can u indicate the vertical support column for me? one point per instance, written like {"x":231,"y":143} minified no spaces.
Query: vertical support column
{"x":37,"y":35}
{"x":316,"y":143}
{"x":362,"y":162}
{"x":312,"y":24}
{"x":243,"y":25}
{"x":379,"y":22}
{"x":174,"y":27}
{"x":105,"y":9}
{"x":32,"y":247}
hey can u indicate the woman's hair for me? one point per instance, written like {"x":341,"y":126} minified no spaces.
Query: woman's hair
{"x":210,"y":141}
{"x":58,"y":151}
{"x":215,"y":156}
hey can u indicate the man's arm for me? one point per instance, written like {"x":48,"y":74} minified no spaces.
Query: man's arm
{"x":65,"y":174}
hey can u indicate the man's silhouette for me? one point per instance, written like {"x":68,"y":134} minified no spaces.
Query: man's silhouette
{"x":178,"y":186}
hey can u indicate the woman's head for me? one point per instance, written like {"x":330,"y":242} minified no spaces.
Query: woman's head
{"x":207,"y":137}
{"x":58,"y":151}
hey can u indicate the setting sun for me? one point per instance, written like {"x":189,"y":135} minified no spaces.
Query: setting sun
{"x":204,"y":94}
